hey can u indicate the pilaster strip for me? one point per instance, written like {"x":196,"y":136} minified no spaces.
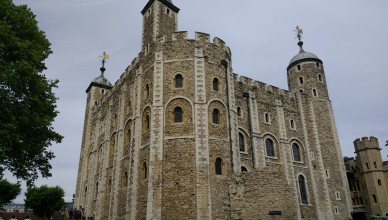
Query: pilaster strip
{"x":154,"y":205}
{"x":133,"y":181}
{"x":328,"y":213}
{"x":201,"y":138}
{"x":339,"y":158}
{"x":284,"y":147}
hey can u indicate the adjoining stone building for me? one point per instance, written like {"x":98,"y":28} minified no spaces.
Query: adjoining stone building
{"x":180,"y":136}
{"x":368,"y":178}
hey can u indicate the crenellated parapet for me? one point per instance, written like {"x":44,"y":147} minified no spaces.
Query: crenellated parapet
{"x":366,"y":143}
{"x":257,"y":85}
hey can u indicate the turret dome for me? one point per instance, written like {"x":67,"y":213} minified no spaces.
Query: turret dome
{"x":101,"y":80}
{"x":303,"y":56}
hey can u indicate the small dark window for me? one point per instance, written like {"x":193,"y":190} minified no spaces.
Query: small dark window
{"x":375,"y":164}
{"x":178,"y":115}
{"x":300,"y":80}
{"x":218,"y":166}
{"x":367,"y":166}
{"x":241,"y":142}
{"x":145,"y":170}
{"x":266,"y":117}
{"x":379,"y":182}
{"x":317,"y":64}
{"x":315,"y":93}
{"x":178,"y":81}
{"x":147,"y":123}
{"x":147,"y":91}
{"x":269,"y":147}
{"x":125,"y":180}
{"x":302,"y":189}
{"x":215,"y":84}
{"x":301,"y":90}
{"x":299,"y":68}
{"x":244,"y":169}
{"x":296,"y":152}
{"x":239,"y":111}
{"x":216,"y":116}
{"x":292,"y":124}
{"x":102,"y":91}
{"x":168,"y":11}
{"x":320,"y":78}
{"x":374,"y":198}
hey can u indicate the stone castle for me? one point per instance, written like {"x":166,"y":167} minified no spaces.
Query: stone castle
{"x":180,"y":136}
{"x":368,"y":178}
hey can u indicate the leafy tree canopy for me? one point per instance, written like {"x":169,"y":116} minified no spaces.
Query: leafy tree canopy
{"x":8,"y":192}
{"x":27,"y":103}
{"x":44,"y":200}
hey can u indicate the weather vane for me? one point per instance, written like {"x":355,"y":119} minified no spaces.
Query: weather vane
{"x":104,"y":57}
{"x":299,"y":32}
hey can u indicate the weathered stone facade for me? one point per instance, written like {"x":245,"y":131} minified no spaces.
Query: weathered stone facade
{"x":180,"y":136}
{"x":368,"y":178}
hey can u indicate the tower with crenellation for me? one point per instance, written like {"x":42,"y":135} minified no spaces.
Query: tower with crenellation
{"x":181,"y":136}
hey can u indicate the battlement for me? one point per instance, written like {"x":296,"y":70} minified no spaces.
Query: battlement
{"x":366,"y":142}
{"x":262,"y":86}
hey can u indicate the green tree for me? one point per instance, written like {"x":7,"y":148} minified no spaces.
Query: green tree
{"x":27,"y":103}
{"x":44,"y":200}
{"x":8,"y":192}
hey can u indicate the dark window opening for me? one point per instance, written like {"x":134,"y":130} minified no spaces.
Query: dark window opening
{"x":302,"y":189}
{"x":239,"y":111}
{"x":178,"y":115}
{"x":178,"y":81}
{"x":216,"y":116}
{"x":241,"y":142}
{"x":320,"y":78}
{"x":215,"y":84}
{"x":244,"y":169}
{"x":218,"y":166}
{"x":301,"y":80}
{"x":266,"y":116}
{"x":314,"y":92}
{"x":299,"y":68}
{"x":269,"y":147}
{"x":296,"y":152}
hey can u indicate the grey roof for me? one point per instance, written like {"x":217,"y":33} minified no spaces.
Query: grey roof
{"x":303,"y":55}
{"x":101,"y":80}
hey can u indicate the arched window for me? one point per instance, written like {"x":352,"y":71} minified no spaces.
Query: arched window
{"x":178,"y":81}
{"x":315,"y":94}
{"x":374,"y":198}
{"x":317,"y":64}
{"x":241,"y":142}
{"x":267,"y":118}
{"x":296,"y":152}
{"x":178,"y":115}
{"x":379,"y":182}
{"x":215,"y":84}
{"x":147,"y":123}
{"x":125,"y":179}
{"x":319,"y":77}
{"x":301,"y":90}
{"x":292,"y":124}
{"x":302,"y":189}
{"x":129,"y":136}
{"x":244,"y":169}
{"x":300,"y":80}
{"x":269,"y":147}
{"x":216,"y":116}
{"x":239,"y":111}
{"x":299,"y":68}
{"x":218,"y":166}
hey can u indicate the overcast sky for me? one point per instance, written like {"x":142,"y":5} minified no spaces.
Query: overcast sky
{"x":349,"y":36}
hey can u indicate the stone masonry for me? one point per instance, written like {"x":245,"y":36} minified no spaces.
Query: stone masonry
{"x":180,"y":136}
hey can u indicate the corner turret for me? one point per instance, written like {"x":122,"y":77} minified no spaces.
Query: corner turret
{"x":366,"y":143}
{"x":160,"y":17}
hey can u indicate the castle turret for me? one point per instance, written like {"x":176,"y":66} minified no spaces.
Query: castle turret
{"x":372,"y":175}
{"x":306,"y":80}
{"x":95,"y":92}
{"x":160,"y":17}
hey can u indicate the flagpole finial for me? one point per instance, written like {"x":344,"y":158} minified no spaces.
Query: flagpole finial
{"x":299,"y":33}
{"x":104,"y":57}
